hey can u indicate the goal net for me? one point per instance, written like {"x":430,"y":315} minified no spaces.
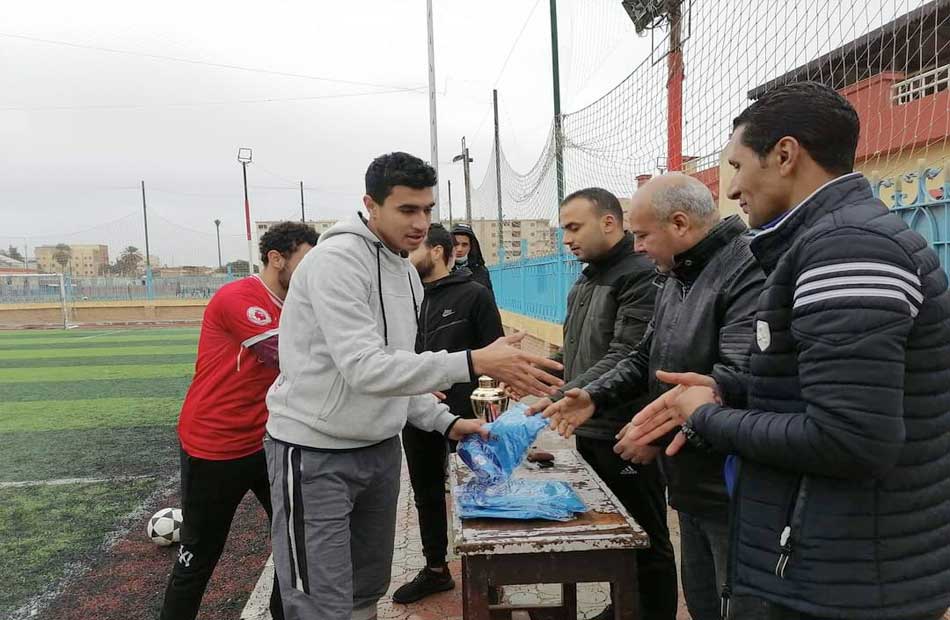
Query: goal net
{"x":35,"y":300}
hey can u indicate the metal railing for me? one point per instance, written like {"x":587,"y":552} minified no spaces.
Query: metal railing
{"x":536,"y":287}
{"x":25,"y":289}
{"x":925,"y":208}
{"x":921,"y":85}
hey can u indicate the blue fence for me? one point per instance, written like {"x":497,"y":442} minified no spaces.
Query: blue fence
{"x":537,"y":287}
{"x":46,"y":289}
{"x":925,"y":210}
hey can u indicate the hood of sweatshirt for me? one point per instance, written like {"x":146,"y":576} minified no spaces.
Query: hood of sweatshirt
{"x":387,"y":260}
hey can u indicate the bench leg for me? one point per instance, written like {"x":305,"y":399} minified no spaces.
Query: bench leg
{"x":624,"y":593}
{"x":474,"y":590}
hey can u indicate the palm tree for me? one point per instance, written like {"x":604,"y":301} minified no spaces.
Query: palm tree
{"x":128,"y":262}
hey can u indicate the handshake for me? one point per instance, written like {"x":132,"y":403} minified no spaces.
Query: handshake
{"x":520,"y":373}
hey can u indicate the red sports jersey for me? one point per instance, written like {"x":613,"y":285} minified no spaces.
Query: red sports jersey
{"x":224,"y":413}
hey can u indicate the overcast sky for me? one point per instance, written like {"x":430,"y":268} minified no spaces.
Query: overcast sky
{"x":98,"y":95}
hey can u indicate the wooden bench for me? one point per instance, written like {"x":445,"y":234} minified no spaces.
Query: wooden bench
{"x":597,"y":546}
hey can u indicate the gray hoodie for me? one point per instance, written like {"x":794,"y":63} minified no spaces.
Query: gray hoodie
{"x":349,"y":376}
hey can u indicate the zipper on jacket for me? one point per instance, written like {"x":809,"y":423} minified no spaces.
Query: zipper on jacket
{"x":724,"y":601}
{"x":733,"y":552}
{"x":793,"y":524}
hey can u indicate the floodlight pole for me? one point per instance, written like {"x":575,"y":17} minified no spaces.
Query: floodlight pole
{"x":149,"y":293}
{"x":245,"y":159}
{"x":433,"y":124}
{"x":217,"y":230}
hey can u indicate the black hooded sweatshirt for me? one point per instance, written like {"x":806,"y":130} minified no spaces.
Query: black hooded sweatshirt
{"x":457,"y":314}
{"x":476,"y":262}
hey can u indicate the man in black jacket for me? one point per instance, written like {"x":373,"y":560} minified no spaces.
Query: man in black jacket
{"x":702,"y":322}
{"x":842,"y":498}
{"x":468,"y":255}
{"x":457,"y":314}
{"x":608,"y":310}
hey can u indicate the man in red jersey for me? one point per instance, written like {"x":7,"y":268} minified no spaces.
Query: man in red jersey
{"x":222,"y":420}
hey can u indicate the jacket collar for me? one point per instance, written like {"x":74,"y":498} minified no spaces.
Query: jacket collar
{"x":689,"y":264}
{"x":769,"y":245}
{"x":620,"y":249}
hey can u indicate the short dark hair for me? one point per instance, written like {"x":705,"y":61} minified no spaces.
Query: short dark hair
{"x":440,"y":236}
{"x":286,"y":237}
{"x":392,"y":169}
{"x":604,"y":202}
{"x":823,"y":122}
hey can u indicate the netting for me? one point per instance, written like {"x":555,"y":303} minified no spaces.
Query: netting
{"x":890,"y":58}
{"x":45,"y":294}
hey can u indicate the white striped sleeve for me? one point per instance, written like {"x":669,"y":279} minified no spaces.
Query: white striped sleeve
{"x":863,"y":280}
{"x":250,"y":342}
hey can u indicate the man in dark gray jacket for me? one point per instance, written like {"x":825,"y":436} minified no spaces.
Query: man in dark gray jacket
{"x":702,"y":322}
{"x":842,"y":497}
{"x":608,"y":310}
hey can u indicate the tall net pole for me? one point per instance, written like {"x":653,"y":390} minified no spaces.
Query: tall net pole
{"x":501,"y":216}
{"x":556,"y":82}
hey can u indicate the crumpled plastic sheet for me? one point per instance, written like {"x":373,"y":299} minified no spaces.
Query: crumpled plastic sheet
{"x":511,"y":436}
{"x":492,"y":493}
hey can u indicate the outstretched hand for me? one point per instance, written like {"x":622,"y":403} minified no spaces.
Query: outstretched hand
{"x":668,"y":412}
{"x":568,"y":413}
{"x":522,"y":372}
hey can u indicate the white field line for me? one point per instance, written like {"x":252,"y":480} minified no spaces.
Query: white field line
{"x":115,"y":331}
{"x":65,"y":481}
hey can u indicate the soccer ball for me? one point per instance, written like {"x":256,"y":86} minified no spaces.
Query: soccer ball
{"x":164,"y":527}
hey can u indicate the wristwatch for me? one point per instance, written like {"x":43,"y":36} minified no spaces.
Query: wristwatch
{"x":692,"y":437}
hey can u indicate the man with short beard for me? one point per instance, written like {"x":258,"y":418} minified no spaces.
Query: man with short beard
{"x":456,"y":314}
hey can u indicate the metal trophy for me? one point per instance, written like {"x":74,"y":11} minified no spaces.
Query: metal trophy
{"x":488,"y":400}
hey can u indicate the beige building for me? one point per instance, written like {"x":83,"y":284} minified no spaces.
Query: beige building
{"x":85,"y":261}
{"x":539,"y":235}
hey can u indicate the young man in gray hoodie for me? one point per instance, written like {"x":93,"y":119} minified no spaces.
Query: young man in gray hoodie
{"x":350,"y":380}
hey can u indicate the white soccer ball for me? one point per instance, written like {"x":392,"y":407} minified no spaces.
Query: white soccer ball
{"x":164,"y":527}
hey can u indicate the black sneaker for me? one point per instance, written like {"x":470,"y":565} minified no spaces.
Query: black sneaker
{"x":425,"y":583}
{"x":606,"y":614}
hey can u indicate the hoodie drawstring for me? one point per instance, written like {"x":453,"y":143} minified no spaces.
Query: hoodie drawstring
{"x":382,"y":304}
{"x":415,"y":306}
{"x":379,"y":284}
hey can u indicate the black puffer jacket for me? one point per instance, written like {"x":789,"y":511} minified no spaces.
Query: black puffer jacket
{"x":456,"y":314}
{"x":608,"y":310}
{"x":702,"y":323}
{"x":475,"y":262}
{"x":843,"y":494}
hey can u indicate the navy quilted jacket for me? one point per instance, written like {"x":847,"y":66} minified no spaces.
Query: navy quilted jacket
{"x":842,"y":507}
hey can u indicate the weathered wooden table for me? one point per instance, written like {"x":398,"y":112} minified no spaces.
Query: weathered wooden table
{"x":598,"y":546}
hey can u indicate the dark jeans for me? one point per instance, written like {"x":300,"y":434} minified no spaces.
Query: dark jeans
{"x":210,"y":494}
{"x":640,"y":488}
{"x":704,"y":550}
{"x":427,"y":458}
{"x":777,"y":612}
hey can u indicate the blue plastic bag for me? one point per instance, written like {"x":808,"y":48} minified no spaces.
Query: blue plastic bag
{"x":511,"y":436}
{"x":492,"y":493}
{"x":519,"y":498}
